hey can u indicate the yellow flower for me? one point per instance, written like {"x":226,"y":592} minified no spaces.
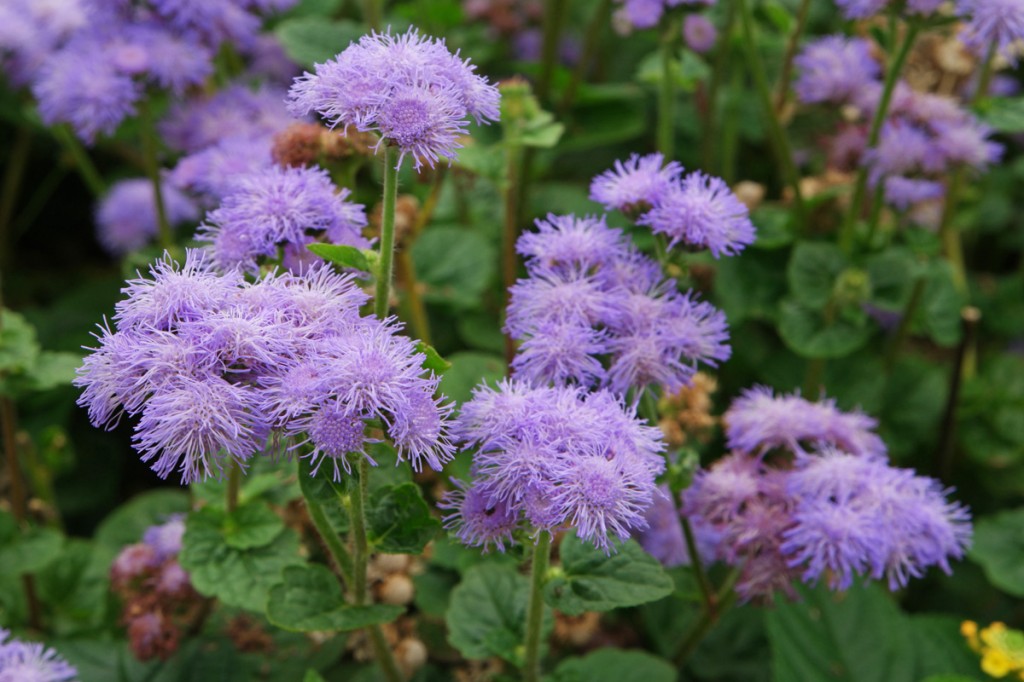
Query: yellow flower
{"x":1001,"y":649}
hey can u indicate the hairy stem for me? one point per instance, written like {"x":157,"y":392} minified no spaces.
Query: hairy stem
{"x":780,"y":143}
{"x":340,"y":555}
{"x":706,"y":590}
{"x":387,"y":233}
{"x":535,"y":607}
{"x":721,"y":67}
{"x":846,"y":236}
{"x":149,"y":147}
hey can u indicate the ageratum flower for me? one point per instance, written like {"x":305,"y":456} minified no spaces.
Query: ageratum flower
{"x":216,"y":171}
{"x":699,"y":33}
{"x":126,"y":217}
{"x":834,"y":69}
{"x":637,"y":185}
{"x":32,"y":29}
{"x":279,"y":207}
{"x":664,"y":539}
{"x":996,"y":23}
{"x":197,"y":123}
{"x":758,"y":421}
{"x":555,"y":458}
{"x":31,"y":662}
{"x":408,"y":88}
{"x":702,"y":212}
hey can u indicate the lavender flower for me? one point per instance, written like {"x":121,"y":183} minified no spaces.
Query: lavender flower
{"x":408,"y":88}
{"x":31,"y":662}
{"x":567,"y":244}
{"x":758,"y":421}
{"x":702,"y":212}
{"x":834,"y":69}
{"x":165,"y":538}
{"x":902,"y":192}
{"x":479,"y":519}
{"x":216,"y":171}
{"x":216,"y":21}
{"x":637,"y":185}
{"x":32,"y":29}
{"x":276,"y":207}
{"x":861,"y":9}
{"x":699,"y":33}
{"x":559,"y":458}
{"x":235,"y":111}
{"x":126,"y":217}
{"x":992,"y":22}
{"x":663,"y":538}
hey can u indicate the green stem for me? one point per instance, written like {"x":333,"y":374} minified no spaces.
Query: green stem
{"x":387,"y":232}
{"x":666,"y":89}
{"x":37,"y":201}
{"x":782,"y":89}
{"x":19,"y":499}
{"x":812,"y":380}
{"x":554,"y":16}
{"x":985,"y":80}
{"x":903,"y":331}
{"x":780,"y":143}
{"x":721,"y":67}
{"x":417,"y":311}
{"x":731,"y":129}
{"x":150,"y":153}
{"x":970,"y":318}
{"x":385,"y":657}
{"x":13,"y":175}
{"x":83,"y":164}
{"x":373,"y":13}
{"x":340,"y":555}
{"x":706,"y":590}
{"x":360,"y":545}
{"x":535,"y":607}
{"x":846,"y":237}
{"x":234,"y":483}
{"x":724,"y":598}
{"x":591,"y":39}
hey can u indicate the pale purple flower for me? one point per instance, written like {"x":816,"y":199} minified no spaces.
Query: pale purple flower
{"x":643,"y":13}
{"x":30,"y":30}
{"x":215,"y":21}
{"x":165,"y":538}
{"x":126,"y":217}
{"x":637,"y":185}
{"x":902,"y":149}
{"x":31,"y":662}
{"x":834,"y":69}
{"x":236,"y":111}
{"x":702,"y":212}
{"x":477,"y":518}
{"x":408,"y":88}
{"x":564,"y":352}
{"x":965,"y":144}
{"x":567,"y":244}
{"x":216,"y":171}
{"x":758,"y":421}
{"x":861,"y":9}
{"x":699,"y":33}
{"x":902,"y":192}
{"x":992,"y":22}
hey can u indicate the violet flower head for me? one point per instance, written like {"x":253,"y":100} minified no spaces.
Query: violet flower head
{"x":478,"y":518}
{"x":901,"y":192}
{"x":699,"y":33}
{"x":637,"y":185}
{"x":702,"y":212}
{"x":966,"y":145}
{"x":165,"y":538}
{"x":30,"y":30}
{"x":126,"y":217}
{"x":236,"y":111}
{"x":276,"y":207}
{"x":409,"y":88}
{"x":758,"y":421}
{"x":567,"y":244}
{"x":32,"y":662}
{"x":215,"y":21}
{"x":861,"y":9}
{"x":834,"y":69}
{"x":217,"y":170}
{"x":643,"y":13}
{"x":992,"y":22}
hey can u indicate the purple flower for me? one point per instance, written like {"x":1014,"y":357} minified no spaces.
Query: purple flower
{"x":643,"y":13}
{"x":637,"y":185}
{"x":834,"y":69}
{"x":31,"y":662}
{"x":965,"y":144}
{"x":563,"y":352}
{"x":559,"y":457}
{"x":902,"y":149}
{"x":861,"y":9}
{"x":702,"y":212}
{"x":165,"y":538}
{"x":478,"y":518}
{"x":31,"y":30}
{"x":198,"y":123}
{"x":215,"y":21}
{"x":902,"y":192}
{"x":409,"y":88}
{"x":217,"y":170}
{"x":993,"y":22}
{"x":126,"y":217}
{"x":276,"y":207}
{"x":758,"y":421}
{"x":567,"y":244}
{"x":699,"y":33}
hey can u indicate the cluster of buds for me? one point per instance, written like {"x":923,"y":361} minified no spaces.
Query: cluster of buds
{"x":309,"y":144}
{"x":159,"y":602}
{"x":686,"y":415}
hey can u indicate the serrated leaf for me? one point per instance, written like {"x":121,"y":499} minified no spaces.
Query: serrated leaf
{"x":999,"y":549}
{"x":251,"y":525}
{"x":590,"y":580}
{"x":487,"y":613}
{"x":345,"y":256}
{"x":310,"y":599}
{"x":615,"y":665}
{"x":432,"y":360}
{"x":237,"y":577}
{"x":399,"y":520}
{"x":808,"y":333}
{"x":812,"y":272}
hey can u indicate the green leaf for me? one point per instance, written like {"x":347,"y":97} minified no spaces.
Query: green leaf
{"x":346,"y":256}
{"x":813,"y":270}
{"x":940,"y":306}
{"x":251,"y":525}
{"x":808,"y":333}
{"x":399,"y":520}
{"x":615,"y":665}
{"x":774,"y":226}
{"x":605,"y":114}
{"x":856,"y":636}
{"x":310,"y":599}
{"x":237,"y":577}
{"x":328,"y":494}
{"x":455,"y":265}
{"x":487,"y":613}
{"x":18,"y":346}
{"x":892,"y":275}
{"x":1005,"y":114}
{"x":999,"y":549}
{"x":27,"y":551}
{"x":589,"y":580}
{"x":470,"y":368}
{"x":432,"y":360}
{"x":309,"y":40}
{"x":313,"y":676}
{"x":127,"y":523}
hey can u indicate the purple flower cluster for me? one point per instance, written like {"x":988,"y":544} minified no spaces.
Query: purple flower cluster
{"x":807,"y":494}
{"x":408,"y":88}
{"x":196,"y":123}
{"x":590,"y":296}
{"x":996,"y":23}
{"x":553,"y":458}
{"x":834,"y":69}
{"x":31,"y":662}
{"x":647,"y":13}
{"x":126,"y":217}
{"x":212,"y":367}
{"x":101,"y":57}
{"x":697,"y":209}
{"x":282,"y":209}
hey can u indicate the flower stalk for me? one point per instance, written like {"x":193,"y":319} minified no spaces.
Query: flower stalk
{"x":149,"y":150}
{"x":387,"y":233}
{"x":535,"y":607}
